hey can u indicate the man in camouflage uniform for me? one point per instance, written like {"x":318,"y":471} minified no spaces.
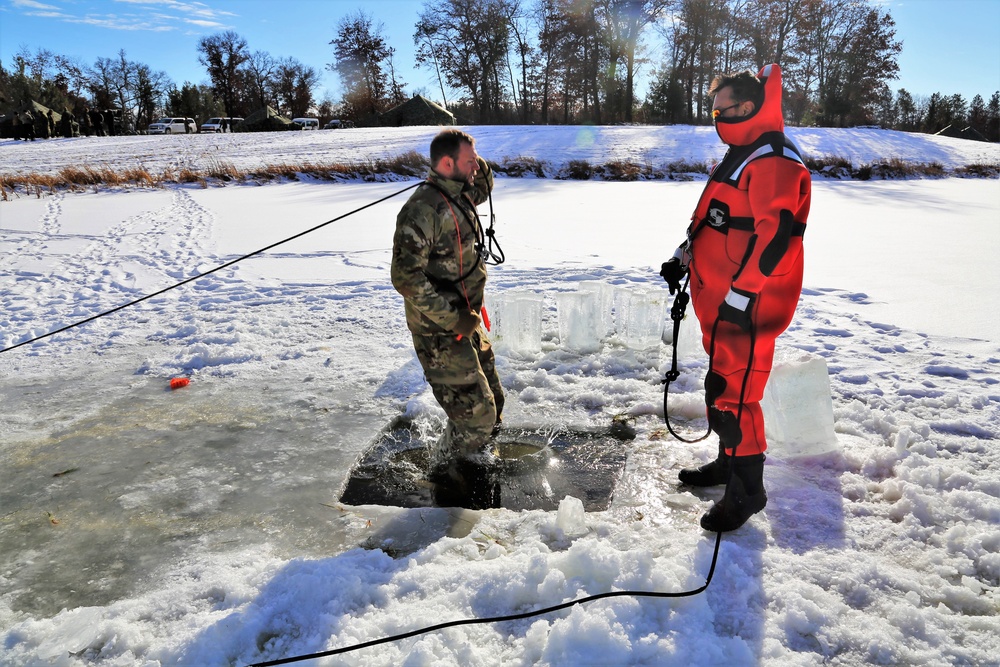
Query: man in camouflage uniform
{"x":85,"y":126}
{"x":28,"y":123}
{"x":437,"y":267}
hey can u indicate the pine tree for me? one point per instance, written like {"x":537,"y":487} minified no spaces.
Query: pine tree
{"x":993,"y":118}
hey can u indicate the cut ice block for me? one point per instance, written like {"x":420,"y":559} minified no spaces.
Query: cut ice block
{"x":603,"y":293}
{"x":642,"y":317}
{"x":798,"y":405}
{"x":516,"y":318}
{"x":579,"y":322}
{"x":571,"y":518}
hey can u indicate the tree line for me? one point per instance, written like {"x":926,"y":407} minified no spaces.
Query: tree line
{"x":541,"y":61}
{"x":240,"y":82}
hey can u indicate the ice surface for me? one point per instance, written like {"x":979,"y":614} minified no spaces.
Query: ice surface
{"x":150,"y":472}
{"x":203,"y":523}
{"x":75,"y":631}
{"x":798,"y":405}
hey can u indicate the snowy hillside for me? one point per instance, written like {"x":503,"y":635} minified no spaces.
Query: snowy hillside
{"x":555,"y":146}
{"x":143,"y":526}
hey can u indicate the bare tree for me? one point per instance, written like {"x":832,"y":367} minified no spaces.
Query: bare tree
{"x":424,"y":38}
{"x":574,"y":58}
{"x":699,"y":26}
{"x":468,"y":40}
{"x":550,"y":36}
{"x":768,"y":26}
{"x":260,"y":68}
{"x":519,"y":22}
{"x":101,"y":82}
{"x":294,"y":86}
{"x":223,"y":55}
{"x":623,"y":24}
{"x":364,"y":64}
{"x":151,"y":93}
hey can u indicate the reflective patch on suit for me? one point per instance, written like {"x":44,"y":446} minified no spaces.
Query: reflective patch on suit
{"x":718,"y":213}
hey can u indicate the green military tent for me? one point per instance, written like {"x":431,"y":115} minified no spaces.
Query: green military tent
{"x":417,"y":111}
{"x":37,"y":110}
{"x":265,"y":119}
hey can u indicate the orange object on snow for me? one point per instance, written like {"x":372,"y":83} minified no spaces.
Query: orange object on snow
{"x":177,"y":383}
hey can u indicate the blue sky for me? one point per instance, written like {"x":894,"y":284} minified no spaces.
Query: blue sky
{"x":949,"y":46}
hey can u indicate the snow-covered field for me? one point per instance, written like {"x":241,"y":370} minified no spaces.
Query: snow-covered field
{"x":553,"y":145}
{"x":143,"y":526}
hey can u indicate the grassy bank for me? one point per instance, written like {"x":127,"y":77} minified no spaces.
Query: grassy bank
{"x":413,"y":164}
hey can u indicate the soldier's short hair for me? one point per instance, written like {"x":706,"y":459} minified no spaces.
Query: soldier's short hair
{"x":745,"y":86}
{"x":448,"y":142}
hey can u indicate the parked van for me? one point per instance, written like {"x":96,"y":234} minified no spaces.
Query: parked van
{"x":173,"y":126}
{"x":220,"y":124}
{"x":307,"y":123}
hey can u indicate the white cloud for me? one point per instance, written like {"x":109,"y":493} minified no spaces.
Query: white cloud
{"x":116,"y":23}
{"x":147,"y":15}
{"x":204,"y":24}
{"x":31,"y":4}
{"x":197,"y":8}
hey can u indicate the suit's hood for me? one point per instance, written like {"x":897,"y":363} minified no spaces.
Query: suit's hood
{"x":744,"y":130}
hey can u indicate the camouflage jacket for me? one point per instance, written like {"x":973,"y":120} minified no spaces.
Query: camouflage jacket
{"x":434,"y":246}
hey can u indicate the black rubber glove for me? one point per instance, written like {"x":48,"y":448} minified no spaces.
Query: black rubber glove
{"x":738,"y":308}
{"x":673,"y":273}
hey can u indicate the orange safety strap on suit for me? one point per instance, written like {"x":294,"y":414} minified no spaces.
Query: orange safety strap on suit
{"x":461,"y":272}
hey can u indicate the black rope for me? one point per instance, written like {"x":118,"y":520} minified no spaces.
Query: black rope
{"x":206,"y":273}
{"x":677,"y":311}
{"x":500,"y":619}
{"x":489,"y":255}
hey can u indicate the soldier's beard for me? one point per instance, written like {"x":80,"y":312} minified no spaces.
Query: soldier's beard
{"x":456,"y":175}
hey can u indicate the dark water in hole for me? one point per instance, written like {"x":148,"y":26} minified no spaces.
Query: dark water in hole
{"x":537,"y":469}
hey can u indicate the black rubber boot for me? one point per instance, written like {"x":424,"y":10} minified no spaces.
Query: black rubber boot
{"x":712,"y":473}
{"x":745,"y":496}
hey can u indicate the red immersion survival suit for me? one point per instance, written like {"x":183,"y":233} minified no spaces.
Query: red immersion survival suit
{"x":747,"y":237}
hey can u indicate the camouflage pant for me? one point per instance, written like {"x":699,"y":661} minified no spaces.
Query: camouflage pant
{"x":463,"y":375}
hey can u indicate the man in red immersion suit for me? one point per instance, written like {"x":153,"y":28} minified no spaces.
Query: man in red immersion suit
{"x":744,"y":256}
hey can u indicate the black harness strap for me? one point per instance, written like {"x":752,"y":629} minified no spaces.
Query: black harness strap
{"x":485,"y":239}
